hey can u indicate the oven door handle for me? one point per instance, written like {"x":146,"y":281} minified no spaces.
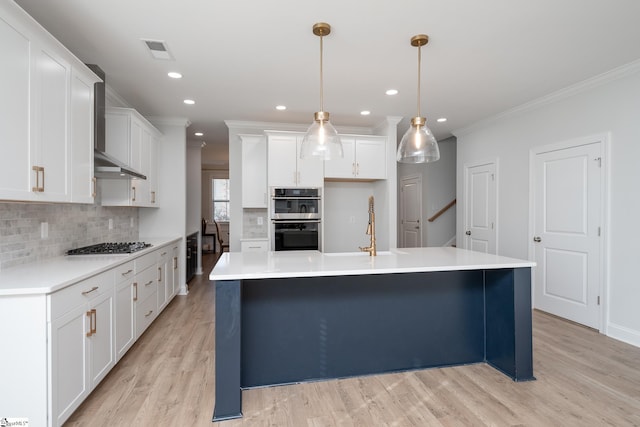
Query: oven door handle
{"x":294,"y":221}
{"x":295,"y":198}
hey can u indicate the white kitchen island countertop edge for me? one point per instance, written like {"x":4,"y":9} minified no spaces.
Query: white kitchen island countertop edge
{"x":288,"y":264}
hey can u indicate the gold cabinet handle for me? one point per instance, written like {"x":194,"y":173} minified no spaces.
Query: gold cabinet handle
{"x":38,"y":188}
{"x":153,"y":197}
{"x":91,"y":314}
{"x":127,"y":272}
{"x":159,"y":274}
{"x":135,"y":291}
{"x":175,"y":262}
{"x":95,"y":288}
{"x":94,"y":184}
{"x":149,"y":313}
{"x":148,"y":283}
{"x":133,"y":199}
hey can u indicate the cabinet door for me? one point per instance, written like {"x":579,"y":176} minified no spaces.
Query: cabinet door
{"x":254,"y":171}
{"x":310,"y":171}
{"x":81,"y":145}
{"x":69,"y":362}
{"x":175,"y":271}
{"x":15,"y":162}
{"x":50,"y":93}
{"x":345,"y":167}
{"x":152,"y":175}
{"x":371,"y":158}
{"x":281,"y":161}
{"x":125,"y":334}
{"x":101,"y":345}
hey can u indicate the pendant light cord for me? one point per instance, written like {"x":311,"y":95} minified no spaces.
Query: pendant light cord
{"x":419,"y":62}
{"x":321,"y":80}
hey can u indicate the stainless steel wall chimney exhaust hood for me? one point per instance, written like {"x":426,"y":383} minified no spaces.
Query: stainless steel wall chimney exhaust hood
{"x":106,"y":166}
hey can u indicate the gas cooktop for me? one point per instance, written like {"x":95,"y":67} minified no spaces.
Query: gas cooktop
{"x":110,"y":248}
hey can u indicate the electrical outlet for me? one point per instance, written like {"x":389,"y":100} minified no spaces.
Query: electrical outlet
{"x":260,"y":220}
{"x":110,"y":224}
{"x":44,"y":230}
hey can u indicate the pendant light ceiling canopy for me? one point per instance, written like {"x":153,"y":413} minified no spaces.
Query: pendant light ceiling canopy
{"x":418,"y":145}
{"x":321,"y":140}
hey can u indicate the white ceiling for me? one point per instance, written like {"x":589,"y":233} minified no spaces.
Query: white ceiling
{"x":241,"y":58}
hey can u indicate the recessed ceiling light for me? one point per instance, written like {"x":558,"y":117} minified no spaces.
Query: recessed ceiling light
{"x":365,"y":112}
{"x":442,"y":120}
{"x":174,"y":75}
{"x":198,"y":134}
{"x":281,"y":107}
{"x":189,"y":101}
{"x":392,"y":92}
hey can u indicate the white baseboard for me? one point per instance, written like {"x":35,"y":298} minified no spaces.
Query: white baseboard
{"x":623,"y":334}
{"x":451,"y":242}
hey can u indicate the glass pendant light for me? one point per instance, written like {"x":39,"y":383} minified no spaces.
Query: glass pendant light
{"x":321,"y":140}
{"x":418,"y":145}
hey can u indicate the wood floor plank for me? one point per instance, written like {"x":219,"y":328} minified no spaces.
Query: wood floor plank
{"x":167,"y":379}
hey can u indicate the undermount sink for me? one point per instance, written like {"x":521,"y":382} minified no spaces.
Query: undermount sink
{"x":349,"y":254}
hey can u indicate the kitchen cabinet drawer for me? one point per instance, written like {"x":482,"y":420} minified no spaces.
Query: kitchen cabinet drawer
{"x":144,"y":262}
{"x":124,"y":272}
{"x":146,"y":312}
{"x":81,"y":293}
{"x":145,"y":284}
{"x":254,"y":245}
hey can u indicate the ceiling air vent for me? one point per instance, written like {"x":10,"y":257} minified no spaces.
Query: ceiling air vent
{"x":158,"y":49}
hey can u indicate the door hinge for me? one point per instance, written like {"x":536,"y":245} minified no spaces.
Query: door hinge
{"x":598,"y":299}
{"x":599,"y":160}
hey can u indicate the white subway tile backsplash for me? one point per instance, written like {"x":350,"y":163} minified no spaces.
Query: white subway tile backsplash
{"x":69,"y":226}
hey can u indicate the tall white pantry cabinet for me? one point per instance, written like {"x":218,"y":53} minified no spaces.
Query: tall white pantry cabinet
{"x":46,"y":137}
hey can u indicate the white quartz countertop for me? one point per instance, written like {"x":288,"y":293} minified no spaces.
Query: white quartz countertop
{"x":270,"y":265}
{"x":53,"y":274}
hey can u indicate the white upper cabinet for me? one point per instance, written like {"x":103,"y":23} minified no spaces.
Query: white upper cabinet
{"x":364,"y":158}
{"x":131,"y":139}
{"x":45,"y":111}
{"x":83,"y":183}
{"x":284,"y":166}
{"x":254,"y":171}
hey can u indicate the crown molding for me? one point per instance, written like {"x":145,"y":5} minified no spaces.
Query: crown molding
{"x":568,"y":92}
{"x":170,"y":121}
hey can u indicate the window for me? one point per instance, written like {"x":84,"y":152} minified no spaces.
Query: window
{"x":220,"y":199}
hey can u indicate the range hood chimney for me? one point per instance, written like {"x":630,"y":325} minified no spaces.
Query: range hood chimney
{"x":106,"y":166}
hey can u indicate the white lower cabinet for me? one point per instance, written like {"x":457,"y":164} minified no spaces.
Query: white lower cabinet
{"x":92,"y":324}
{"x":82,"y":341}
{"x":125,"y":332}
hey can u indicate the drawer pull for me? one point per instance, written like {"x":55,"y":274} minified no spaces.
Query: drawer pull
{"x":159,"y":274}
{"x":135,"y":291}
{"x":127,"y":272}
{"x":95,"y":288}
{"x":149,"y":282}
{"x":149,"y":313}
{"x":163,"y":254}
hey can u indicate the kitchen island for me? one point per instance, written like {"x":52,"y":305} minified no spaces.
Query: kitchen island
{"x":288,"y":317}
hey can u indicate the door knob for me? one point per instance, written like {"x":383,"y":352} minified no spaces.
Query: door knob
{"x":468,"y":233}
{"x":537,"y":239}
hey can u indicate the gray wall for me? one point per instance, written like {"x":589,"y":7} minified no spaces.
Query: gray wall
{"x":438,"y":189}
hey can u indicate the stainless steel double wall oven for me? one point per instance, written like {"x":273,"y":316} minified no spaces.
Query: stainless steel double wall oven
{"x":295,"y":219}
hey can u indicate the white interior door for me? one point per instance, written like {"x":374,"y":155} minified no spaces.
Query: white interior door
{"x":567,"y":205}
{"x":480,"y":208}
{"x":411,"y":212}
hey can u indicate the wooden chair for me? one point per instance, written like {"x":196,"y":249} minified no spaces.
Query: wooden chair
{"x":219,"y":236}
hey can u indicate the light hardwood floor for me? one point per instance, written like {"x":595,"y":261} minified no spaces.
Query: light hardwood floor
{"x":167,"y":379}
